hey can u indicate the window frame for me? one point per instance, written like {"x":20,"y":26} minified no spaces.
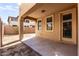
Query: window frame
{"x":52,"y":23}
{"x":38,"y":25}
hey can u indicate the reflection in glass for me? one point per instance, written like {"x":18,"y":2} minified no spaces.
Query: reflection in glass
{"x":49,"y":23}
{"x":39,"y":25}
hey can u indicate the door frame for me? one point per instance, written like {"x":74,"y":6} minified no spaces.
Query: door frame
{"x":61,"y":26}
{"x":68,"y":39}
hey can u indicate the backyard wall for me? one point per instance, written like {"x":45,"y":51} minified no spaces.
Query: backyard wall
{"x":29,"y":30}
{"x":55,"y":34}
{"x":9,"y":30}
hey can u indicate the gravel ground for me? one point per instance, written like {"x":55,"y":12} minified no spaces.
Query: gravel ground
{"x":18,"y":50}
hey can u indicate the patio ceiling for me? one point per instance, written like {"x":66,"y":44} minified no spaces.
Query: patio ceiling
{"x":44,"y":9}
{"x":31,"y":18}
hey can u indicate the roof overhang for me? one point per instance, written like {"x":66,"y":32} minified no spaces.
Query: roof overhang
{"x":42,"y":9}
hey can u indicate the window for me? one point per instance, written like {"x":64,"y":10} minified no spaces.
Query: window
{"x":49,"y":23}
{"x":32,"y":26}
{"x":39,"y":25}
{"x":67,"y":17}
{"x":14,"y":25}
{"x":27,"y":21}
{"x":13,"y":19}
{"x":26,"y":26}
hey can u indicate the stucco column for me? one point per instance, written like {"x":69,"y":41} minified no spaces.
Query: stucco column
{"x":20,"y":28}
{"x":0,"y":33}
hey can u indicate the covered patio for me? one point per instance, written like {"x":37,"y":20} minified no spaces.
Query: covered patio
{"x":52,"y":42}
{"x":47,"y":47}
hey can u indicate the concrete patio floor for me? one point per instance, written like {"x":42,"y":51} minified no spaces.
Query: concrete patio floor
{"x":47,"y":47}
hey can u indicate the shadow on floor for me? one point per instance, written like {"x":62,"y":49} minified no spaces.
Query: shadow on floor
{"x":18,"y":49}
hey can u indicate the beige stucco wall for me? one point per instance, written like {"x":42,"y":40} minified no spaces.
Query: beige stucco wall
{"x":55,"y":34}
{"x":29,"y":30}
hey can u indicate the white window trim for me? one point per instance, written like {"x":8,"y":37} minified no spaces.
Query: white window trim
{"x":52,"y":24}
{"x":41,"y":25}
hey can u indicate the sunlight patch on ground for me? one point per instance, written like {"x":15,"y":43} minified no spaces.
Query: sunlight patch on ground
{"x":28,"y":37}
{"x":10,"y":45}
{"x":9,"y":38}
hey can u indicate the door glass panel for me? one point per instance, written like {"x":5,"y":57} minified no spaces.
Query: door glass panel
{"x":67,"y":26}
{"x":67,"y":17}
{"x":67,"y":29}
